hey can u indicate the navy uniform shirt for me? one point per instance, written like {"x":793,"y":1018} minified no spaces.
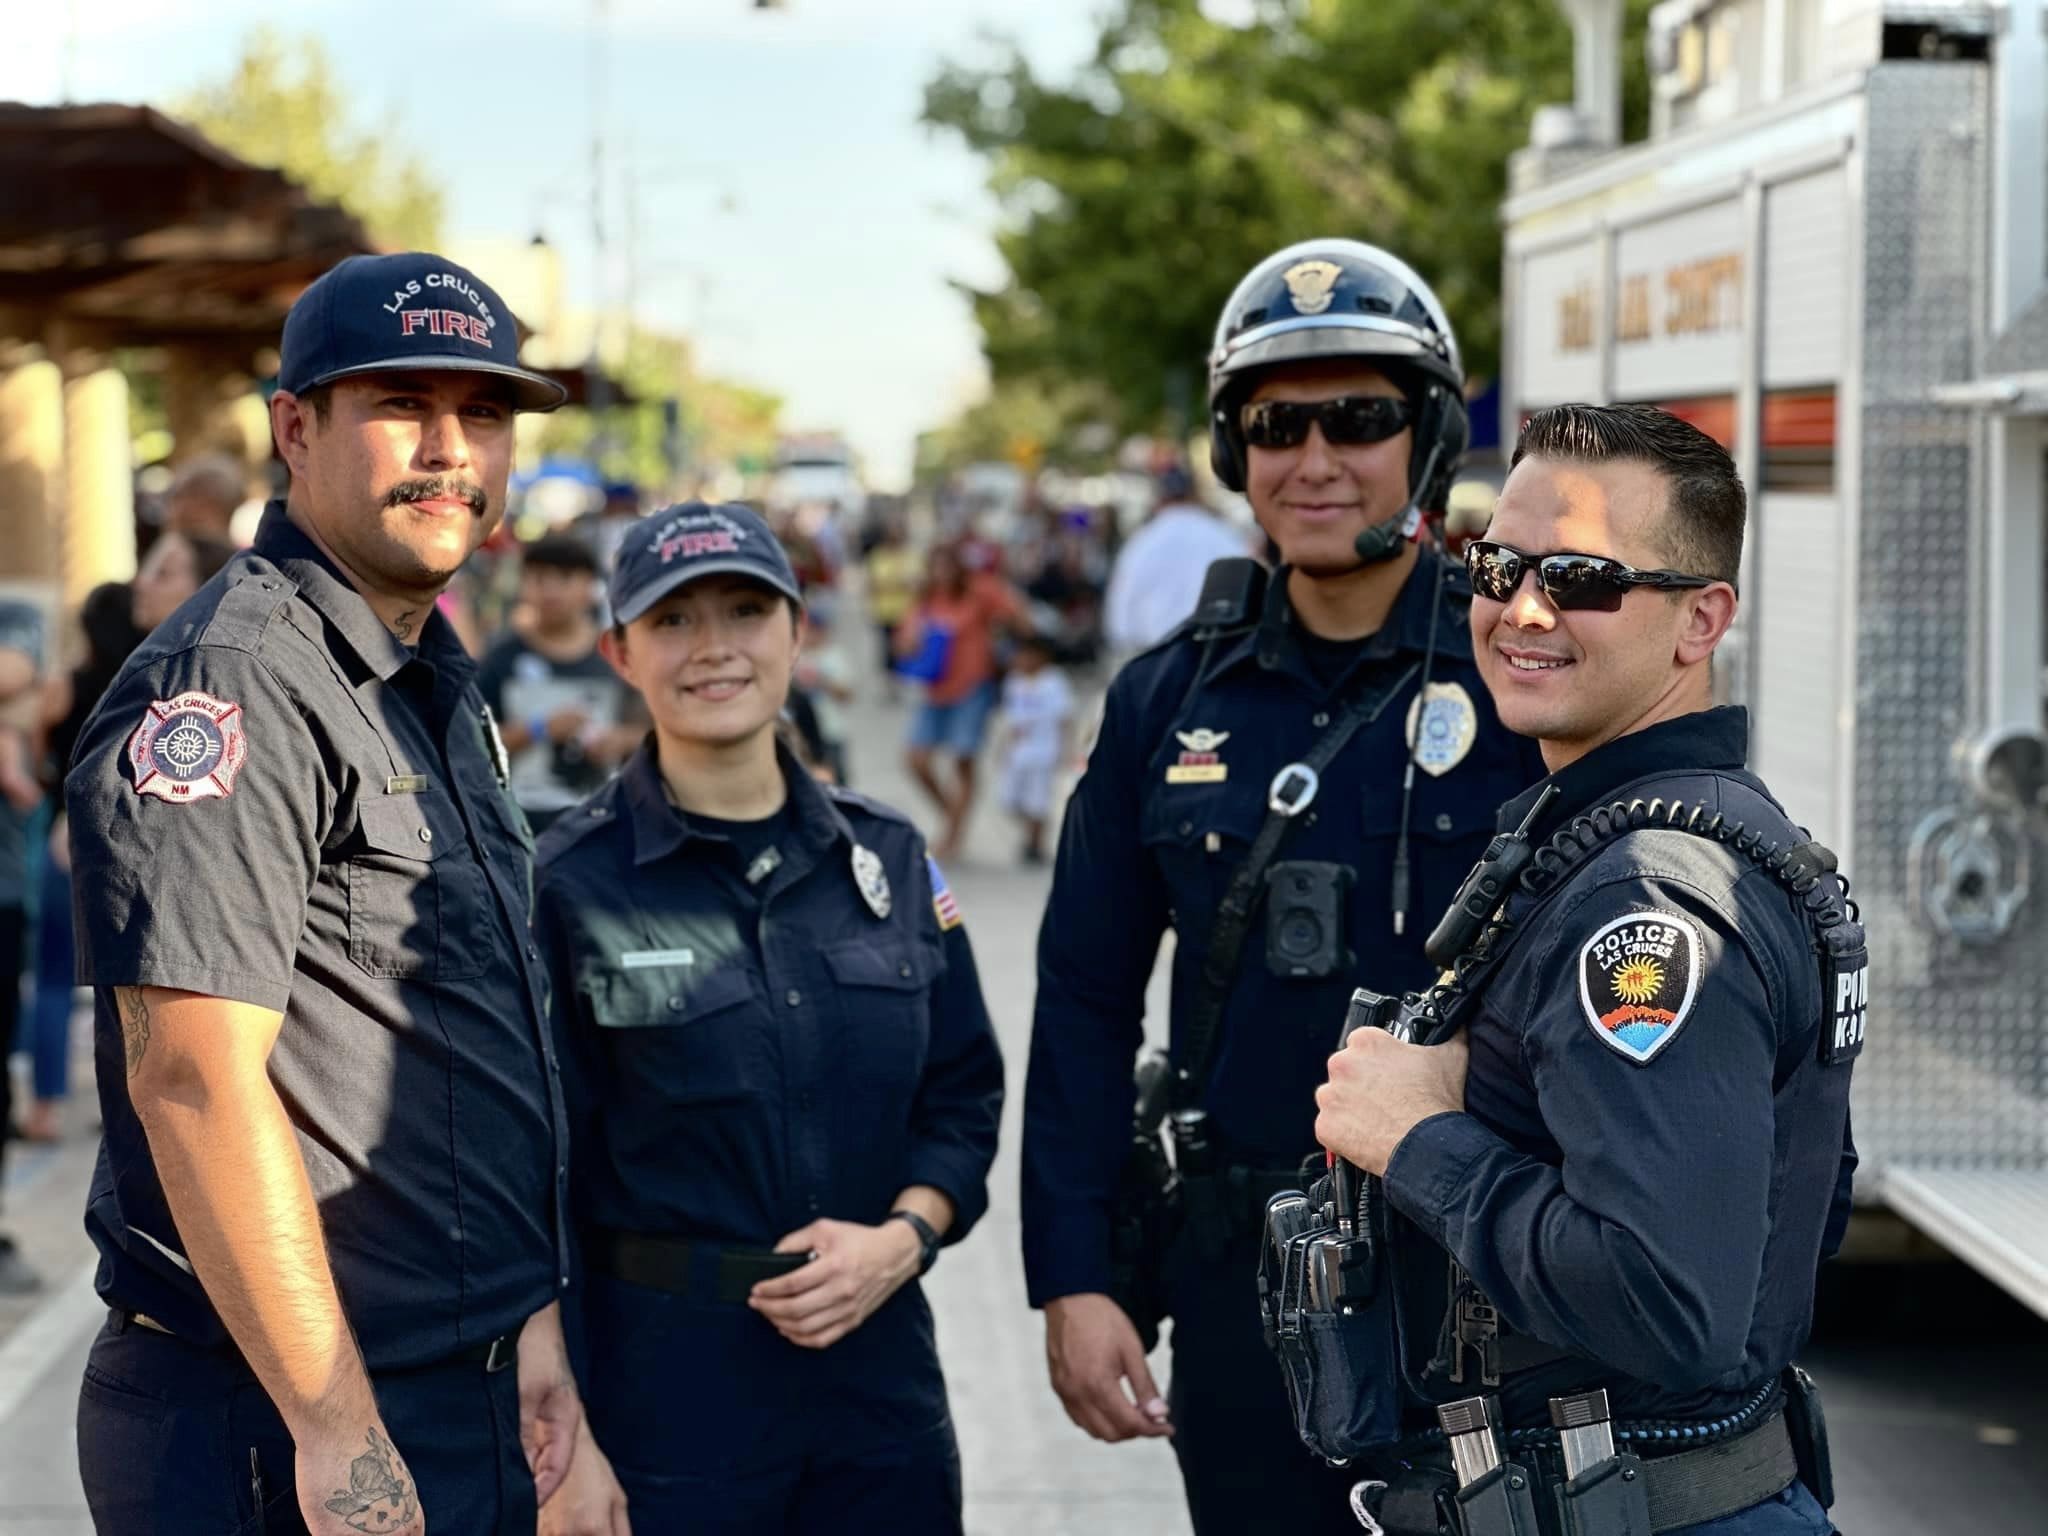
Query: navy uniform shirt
{"x":1653,"y":1160}
{"x":280,"y":803}
{"x":1193,"y":733}
{"x":748,"y":1055}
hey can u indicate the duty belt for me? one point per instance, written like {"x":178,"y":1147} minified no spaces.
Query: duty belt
{"x":699,"y":1271}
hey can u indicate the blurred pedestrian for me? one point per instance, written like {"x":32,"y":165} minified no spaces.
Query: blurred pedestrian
{"x":1466,"y":515}
{"x":204,"y":493}
{"x":107,"y":621}
{"x":824,"y":676}
{"x":328,"y":1202}
{"x":948,"y":642}
{"x":20,"y":665}
{"x":562,"y":711}
{"x":1158,"y":573}
{"x":783,"y":1087}
{"x":892,"y":569}
{"x":1037,"y":705}
{"x":177,"y":565}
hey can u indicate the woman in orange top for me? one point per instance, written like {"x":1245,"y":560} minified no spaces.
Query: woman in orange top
{"x":952,"y":633}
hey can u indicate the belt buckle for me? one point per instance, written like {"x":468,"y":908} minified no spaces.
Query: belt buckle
{"x":502,"y":1353}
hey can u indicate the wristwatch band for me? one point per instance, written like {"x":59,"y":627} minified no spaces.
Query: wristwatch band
{"x":926,"y":1235}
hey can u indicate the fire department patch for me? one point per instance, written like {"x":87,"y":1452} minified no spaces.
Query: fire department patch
{"x":188,"y":748}
{"x":1638,"y":979}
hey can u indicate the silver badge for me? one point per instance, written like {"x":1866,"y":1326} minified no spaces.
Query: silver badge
{"x":1442,"y":726}
{"x":501,"y":760}
{"x":872,"y":879}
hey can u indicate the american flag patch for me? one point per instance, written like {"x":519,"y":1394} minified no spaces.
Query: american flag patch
{"x":943,"y":904}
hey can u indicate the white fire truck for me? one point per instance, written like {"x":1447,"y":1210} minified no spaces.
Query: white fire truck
{"x":1831,"y":253}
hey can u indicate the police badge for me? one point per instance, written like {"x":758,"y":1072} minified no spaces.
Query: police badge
{"x":872,"y":879}
{"x":1312,"y":285}
{"x":1442,"y":725}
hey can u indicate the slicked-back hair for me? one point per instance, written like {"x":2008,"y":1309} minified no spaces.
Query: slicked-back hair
{"x":1701,"y":529}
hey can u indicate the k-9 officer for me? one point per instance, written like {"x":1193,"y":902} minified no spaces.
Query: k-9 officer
{"x":783,"y":1083}
{"x":1294,"y":783}
{"x":328,"y":1203}
{"x":1635,"y":1152}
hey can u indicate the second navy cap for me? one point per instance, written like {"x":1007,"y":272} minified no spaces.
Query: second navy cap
{"x":412,"y":312}
{"x":679,"y":544}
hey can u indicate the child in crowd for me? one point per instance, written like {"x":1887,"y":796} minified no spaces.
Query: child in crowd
{"x":1036,"y":706}
{"x":824,"y":676}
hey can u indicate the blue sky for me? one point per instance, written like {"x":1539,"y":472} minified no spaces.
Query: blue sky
{"x":796,"y":219}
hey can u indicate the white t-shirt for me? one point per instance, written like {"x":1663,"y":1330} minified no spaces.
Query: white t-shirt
{"x":1158,"y":575}
{"x":1035,"y":711}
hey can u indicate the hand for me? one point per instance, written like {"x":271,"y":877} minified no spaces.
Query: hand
{"x":590,"y":1501}
{"x":1381,"y":1088}
{"x":1092,"y":1351}
{"x":549,"y":1409}
{"x":565,"y":725}
{"x":356,"y":1485}
{"x":60,"y":843}
{"x":855,"y":1270}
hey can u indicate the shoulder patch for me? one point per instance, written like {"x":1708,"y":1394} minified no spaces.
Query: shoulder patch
{"x":188,"y":748}
{"x":943,"y":905}
{"x":1639,"y":976}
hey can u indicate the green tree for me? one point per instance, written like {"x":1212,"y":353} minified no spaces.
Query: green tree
{"x":1135,"y":194}
{"x":283,"y":107}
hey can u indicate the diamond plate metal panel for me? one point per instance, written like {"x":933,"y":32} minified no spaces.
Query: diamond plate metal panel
{"x":1958,"y":1063}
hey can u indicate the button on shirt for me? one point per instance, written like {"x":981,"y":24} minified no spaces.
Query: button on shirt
{"x":1661,"y":1219}
{"x":1193,"y":734}
{"x":362,"y":871}
{"x":745,"y":1055}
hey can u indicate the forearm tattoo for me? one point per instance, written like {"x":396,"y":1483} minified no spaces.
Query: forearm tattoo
{"x":378,"y":1497}
{"x":134,"y":1010}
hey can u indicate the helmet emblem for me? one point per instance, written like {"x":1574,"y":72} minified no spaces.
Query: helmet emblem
{"x":1312,"y":285}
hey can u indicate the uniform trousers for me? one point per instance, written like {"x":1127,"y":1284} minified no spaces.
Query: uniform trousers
{"x":1241,"y":1461}
{"x":175,"y":1440}
{"x":715,"y":1424}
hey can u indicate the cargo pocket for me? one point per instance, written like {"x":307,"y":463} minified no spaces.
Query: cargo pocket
{"x":412,"y":880}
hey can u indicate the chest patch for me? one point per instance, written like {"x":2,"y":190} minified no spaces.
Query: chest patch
{"x":1200,"y":762}
{"x":1639,"y":976}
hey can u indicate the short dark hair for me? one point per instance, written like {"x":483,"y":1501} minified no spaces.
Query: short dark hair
{"x":559,"y":552}
{"x":1703,"y":531}
{"x":319,"y":399}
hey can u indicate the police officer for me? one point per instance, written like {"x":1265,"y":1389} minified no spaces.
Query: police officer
{"x":1293,"y":782}
{"x":784,"y":1087}
{"x":328,"y":1202}
{"x":1635,"y":1149}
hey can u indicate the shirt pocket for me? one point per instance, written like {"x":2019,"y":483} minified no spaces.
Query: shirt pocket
{"x":414,"y":893}
{"x":884,"y":988}
{"x":1450,"y":822}
{"x":689,"y":1039}
{"x":1199,"y":839}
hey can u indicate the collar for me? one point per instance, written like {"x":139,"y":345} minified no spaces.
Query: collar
{"x":1271,"y":643}
{"x":660,"y":828}
{"x":1708,"y":738}
{"x":286,"y":545}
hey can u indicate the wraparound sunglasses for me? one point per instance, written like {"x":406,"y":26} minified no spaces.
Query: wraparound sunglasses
{"x":1347,"y":422}
{"x":1572,"y":583}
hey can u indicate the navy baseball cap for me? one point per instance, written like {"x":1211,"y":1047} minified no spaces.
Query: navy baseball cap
{"x":677,"y":545}
{"x":411,"y":312}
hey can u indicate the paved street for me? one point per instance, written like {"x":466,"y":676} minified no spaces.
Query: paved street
{"x":1962,"y":1403}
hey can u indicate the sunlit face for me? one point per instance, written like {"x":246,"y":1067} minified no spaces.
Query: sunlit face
{"x":712,"y":659}
{"x":1314,"y":500}
{"x":1577,"y":679}
{"x":406,"y":476}
{"x":169,"y":575}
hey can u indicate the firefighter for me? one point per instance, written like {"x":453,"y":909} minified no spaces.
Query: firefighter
{"x":783,"y":1085}
{"x":1293,"y":781}
{"x":1634,"y":1150}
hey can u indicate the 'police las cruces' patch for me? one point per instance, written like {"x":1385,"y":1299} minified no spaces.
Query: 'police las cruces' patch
{"x":188,"y":748}
{"x":1639,"y":976}
{"x":943,"y":904}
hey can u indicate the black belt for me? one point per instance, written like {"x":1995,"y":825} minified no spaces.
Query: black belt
{"x":1689,"y":1488}
{"x":699,"y":1271}
{"x":495,"y":1356}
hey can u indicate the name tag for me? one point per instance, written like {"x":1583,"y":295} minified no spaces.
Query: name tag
{"x":406,"y":784}
{"x":650,"y":959}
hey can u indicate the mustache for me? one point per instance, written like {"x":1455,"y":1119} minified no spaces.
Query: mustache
{"x":439,"y":488}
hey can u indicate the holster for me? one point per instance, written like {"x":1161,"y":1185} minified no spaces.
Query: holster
{"x":1145,"y":1218}
{"x":1808,"y":1428}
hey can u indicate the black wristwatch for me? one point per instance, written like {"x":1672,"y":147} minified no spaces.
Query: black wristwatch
{"x":927,"y":1238}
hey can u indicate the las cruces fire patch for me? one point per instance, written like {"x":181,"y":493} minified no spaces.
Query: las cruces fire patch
{"x":1638,"y":978}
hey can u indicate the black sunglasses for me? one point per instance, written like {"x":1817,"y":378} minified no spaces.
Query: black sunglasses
{"x":1572,"y":583}
{"x":1347,"y":422}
